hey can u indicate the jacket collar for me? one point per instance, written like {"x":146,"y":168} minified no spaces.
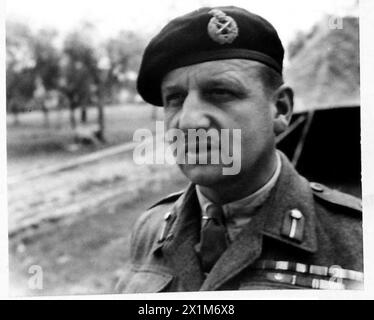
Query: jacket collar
{"x":290,"y":192}
{"x":184,"y":233}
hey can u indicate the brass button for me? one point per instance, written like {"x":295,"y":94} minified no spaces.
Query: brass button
{"x":316,"y":186}
{"x":296,"y":214}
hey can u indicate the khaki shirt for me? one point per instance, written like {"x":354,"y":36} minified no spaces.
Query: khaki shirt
{"x":239,"y":213}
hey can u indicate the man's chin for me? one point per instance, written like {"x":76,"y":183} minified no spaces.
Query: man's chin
{"x":204,"y":174}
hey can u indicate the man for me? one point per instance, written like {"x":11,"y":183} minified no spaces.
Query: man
{"x":265,"y":227}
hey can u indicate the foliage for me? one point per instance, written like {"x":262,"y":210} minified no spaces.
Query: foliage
{"x":324,"y":64}
{"x":123,"y":56}
{"x":46,"y":58}
{"x":20,"y":63}
{"x":79,"y":67}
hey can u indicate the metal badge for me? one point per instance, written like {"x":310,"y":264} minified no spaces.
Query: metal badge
{"x":293,"y":225}
{"x":165,"y":227}
{"x":222,"y":28}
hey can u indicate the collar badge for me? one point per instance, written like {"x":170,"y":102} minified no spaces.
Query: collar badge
{"x":222,"y":28}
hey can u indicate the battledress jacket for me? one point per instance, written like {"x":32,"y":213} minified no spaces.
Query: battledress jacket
{"x":304,"y":236}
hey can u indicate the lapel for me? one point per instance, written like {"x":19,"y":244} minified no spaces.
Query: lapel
{"x":179,"y":250}
{"x":290,"y":192}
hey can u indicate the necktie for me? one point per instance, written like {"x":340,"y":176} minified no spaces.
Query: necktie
{"x":213,"y":240}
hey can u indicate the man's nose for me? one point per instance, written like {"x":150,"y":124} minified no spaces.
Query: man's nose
{"x":194,"y":113}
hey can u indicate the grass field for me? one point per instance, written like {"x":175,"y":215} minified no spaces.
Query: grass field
{"x":30,"y":144}
{"x":84,"y":216}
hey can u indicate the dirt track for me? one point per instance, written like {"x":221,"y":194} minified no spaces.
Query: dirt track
{"x":75,"y":224}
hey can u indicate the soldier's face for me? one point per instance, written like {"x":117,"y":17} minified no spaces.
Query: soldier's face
{"x":226,"y":94}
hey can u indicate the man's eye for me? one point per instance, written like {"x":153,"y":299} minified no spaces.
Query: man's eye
{"x":220,"y":93}
{"x":174,"y":99}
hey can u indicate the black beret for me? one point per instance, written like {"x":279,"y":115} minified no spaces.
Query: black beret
{"x":204,"y":35}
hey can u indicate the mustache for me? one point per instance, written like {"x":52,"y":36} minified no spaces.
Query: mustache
{"x":195,"y":140}
{"x":205,"y":145}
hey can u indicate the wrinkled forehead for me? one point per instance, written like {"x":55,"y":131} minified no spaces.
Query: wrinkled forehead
{"x":233,"y":70}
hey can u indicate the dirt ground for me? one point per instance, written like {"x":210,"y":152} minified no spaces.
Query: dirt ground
{"x":75,"y":224}
{"x":84,"y":253}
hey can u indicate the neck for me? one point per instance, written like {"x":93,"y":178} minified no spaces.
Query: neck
{"x":242,"y":186}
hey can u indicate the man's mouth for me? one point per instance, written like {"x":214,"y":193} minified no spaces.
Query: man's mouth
{"x":200,"y":147}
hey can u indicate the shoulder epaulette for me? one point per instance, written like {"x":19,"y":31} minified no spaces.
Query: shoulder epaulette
{"x":336,"y":197}
{"x":169,"y":198}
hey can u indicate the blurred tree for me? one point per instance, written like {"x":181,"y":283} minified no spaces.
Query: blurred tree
{"x":32,"y":67}
{"x":324,"y":66}
{"x":298,"y":43}
{"x":124,"y":54}
{"x":82,"y":71}
{"x":46,"y":69}
{"x":47,"y":58}
{"x":79,"y":70}
{"x":20,"y":63}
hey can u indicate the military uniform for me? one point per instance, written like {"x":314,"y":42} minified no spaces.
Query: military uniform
{"x":323,"y":250}
{"x":303,"y":235}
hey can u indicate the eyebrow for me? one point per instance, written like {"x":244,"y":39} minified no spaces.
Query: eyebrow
{"x":171,"y":88}
{"x":230,"y":82}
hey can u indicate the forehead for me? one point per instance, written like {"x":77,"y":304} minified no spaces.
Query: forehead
{"x":233,"y":70}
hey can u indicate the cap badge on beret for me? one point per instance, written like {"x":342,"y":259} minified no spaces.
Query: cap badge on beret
{"x":221,"y":27}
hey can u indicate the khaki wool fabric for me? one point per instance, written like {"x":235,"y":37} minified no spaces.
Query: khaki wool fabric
{"x":332,"y":236}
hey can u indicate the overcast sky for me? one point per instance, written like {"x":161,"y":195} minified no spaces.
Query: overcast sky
{"x":110,"y":16}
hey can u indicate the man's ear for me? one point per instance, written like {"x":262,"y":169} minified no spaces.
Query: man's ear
{"x":283,"y":107}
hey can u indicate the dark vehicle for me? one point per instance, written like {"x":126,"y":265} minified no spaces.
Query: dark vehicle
{"x":324,"y":146}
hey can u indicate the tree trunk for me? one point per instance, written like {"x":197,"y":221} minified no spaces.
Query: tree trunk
{"x":13,"y":106}
{"x":46,"y":117}
{"x":73,"y":122}
{"x":15,"y":117}
{"x":83,"y":114}
{"x":100,"y":113}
